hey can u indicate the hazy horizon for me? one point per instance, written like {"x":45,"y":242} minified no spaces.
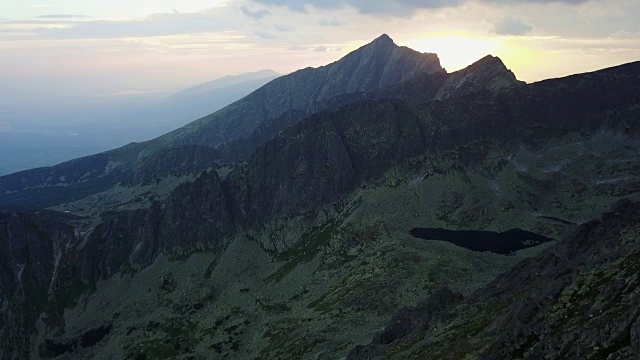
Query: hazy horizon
{"x":52,"y":132}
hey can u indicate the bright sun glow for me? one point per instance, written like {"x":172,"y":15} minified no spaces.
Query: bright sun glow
{"x":456,"y":51}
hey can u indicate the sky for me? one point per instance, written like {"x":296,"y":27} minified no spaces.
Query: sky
{"x":55,"y":52}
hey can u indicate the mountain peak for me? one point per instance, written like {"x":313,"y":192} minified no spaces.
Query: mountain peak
{"x":383,"y":39}
{"x":490,"y":61}
{"x":382,"y":42}
{"x":487,"y":73}
{"x":487,"y":66}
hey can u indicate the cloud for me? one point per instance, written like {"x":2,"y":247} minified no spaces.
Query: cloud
{"x":320,"y":49}
{"x":401,"y":8}
{"x":376,"y":7}
{"x":61,"y":16}
{"x":570,"y":2}
{"x":255,"y":14}
{"x":131,"y":92}
{"x":297,"y":48}
{"x":624,"y":34}
{"x":264,"y":35}
{"x":283,"y":27}
{"x":155,"y":25}
{"x":333,"y":22}
{"x":39,"y":6}
{"x":512,"y":26}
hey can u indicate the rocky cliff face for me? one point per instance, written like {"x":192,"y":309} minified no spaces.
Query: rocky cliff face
{"x":195,"y":217}
{"x":486,"y":75}
{"x":329,"y":154}
{"x":176,"y":162}
{"x":45,"y":267}
{"x":34,"y":248}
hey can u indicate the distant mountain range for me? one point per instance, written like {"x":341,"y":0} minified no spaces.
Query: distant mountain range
{"x":282,"y":226}
{"x":116,"y":122}
{"x":210,"y":88}
{"x":201,"y":100}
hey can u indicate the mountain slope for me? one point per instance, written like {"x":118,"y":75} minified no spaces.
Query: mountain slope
{"x":224,"y":82}
{"x":377,"y":65}
{"x":370,"y":68}
{"x":373,"y":62}
{"x":314,"y":227}
{"x":48,"y":136}
{"x":201,"y":100}
{"x":576,"y":300}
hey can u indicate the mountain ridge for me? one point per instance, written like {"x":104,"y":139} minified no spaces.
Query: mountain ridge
{"x":311,"y":204}
{"x":368,"y":69}
{"x":358,"y":71}
{"x":226,"y":81}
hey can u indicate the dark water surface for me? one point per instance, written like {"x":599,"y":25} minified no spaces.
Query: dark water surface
{"x":504,"y":243}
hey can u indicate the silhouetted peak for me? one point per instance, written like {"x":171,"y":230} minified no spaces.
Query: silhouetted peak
{"x":488,"y":61}
{"x":382,"y":42}
{"x":383,"y":39}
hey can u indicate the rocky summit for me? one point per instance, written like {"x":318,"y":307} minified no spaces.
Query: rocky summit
{"x":374,"y":208}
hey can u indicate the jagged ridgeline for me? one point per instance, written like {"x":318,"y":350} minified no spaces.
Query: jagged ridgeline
{"x":281,"y":226}
{"x":258,"y":116}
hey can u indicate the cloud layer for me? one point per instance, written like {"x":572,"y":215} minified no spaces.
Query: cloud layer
{"x":255,"y":14}
{"x":154,"y":25}
{"x":512,"y":26}
{"x":395,"y":7}
{"x":177,"y":42}
{"x":61,"y":16}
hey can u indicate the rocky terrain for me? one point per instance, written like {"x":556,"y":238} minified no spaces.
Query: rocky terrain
{"x":302,"y":246}
{"x":576,"y":300}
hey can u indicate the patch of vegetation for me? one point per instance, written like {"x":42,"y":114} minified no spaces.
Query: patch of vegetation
{"x":210,"y":268}
{"x":449,"y":203}
{"x":348,"y":238}
{"x":166,"y":340}
{"x":280,"y":344}
{"x":275,"y":308}
{"x":300,"y":294}
{"x":304,"y":251}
